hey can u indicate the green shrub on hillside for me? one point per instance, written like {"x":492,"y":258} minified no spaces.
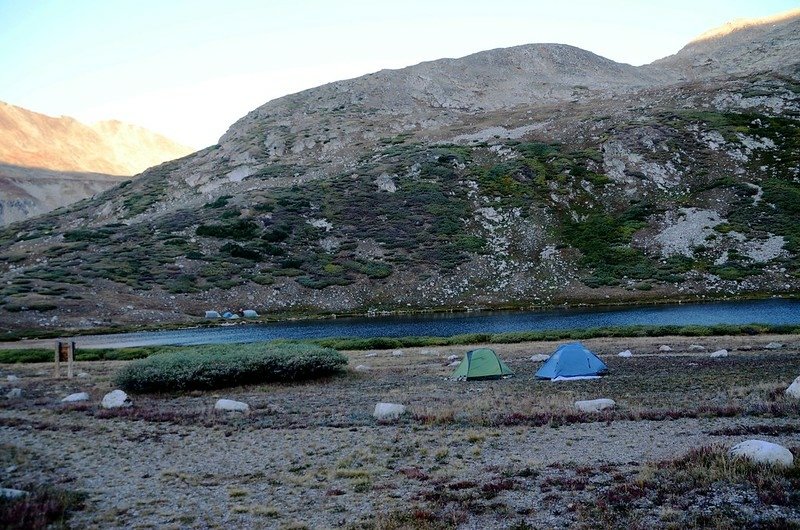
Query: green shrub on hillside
{"x":220,"y":366}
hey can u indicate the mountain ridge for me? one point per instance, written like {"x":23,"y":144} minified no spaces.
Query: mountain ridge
{"x":466,"y":183}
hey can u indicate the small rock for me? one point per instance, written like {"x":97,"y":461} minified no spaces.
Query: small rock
{"x":664,"y":347}
{"x":595,"y":405}
{"x":539,"y":357}
{"x":454,"y":363}
{"x":388,"y":411}
{"x":80,"y":396}
{"x":12,"y":378}
{"x":794,"y":389}
{"x":8,"y":493}
{"x":626,"y":353}
{"x":362,"y":368}
{"x":774,"y":346}
{"x":762,"y":452}
{"x":231,"y":405}
{"x":453,"y":357}
{"x":116,"y":399}
{"x":398,"y":353}
{"x":719,"y":353}
{"x":14,"y":393}
{"x":82,"y":374}
{"x":373,"y":354}
{"x":697,"y":347}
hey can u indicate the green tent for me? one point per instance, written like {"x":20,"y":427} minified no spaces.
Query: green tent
{"x":482,"y":363}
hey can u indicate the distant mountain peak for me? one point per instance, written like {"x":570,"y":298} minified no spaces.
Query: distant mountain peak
{"x":740,"y":24}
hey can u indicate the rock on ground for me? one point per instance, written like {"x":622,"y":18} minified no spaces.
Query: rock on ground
{"x":595,"y":405}
{"x":362,"y":368}
{"x":12,"y":377}
{"x":231,"y":405}
{"x":79,"y":396}
{"x":9,"y":493}
{"x":794,"y":389}
{"x":116,"y":399}
{"x":539,"y":357}
{"x":626,"y":353}
{"x":719,"y":353}
{"x":774,"y":346}
{"x":388,"y":411}
{"x":762,"y":452}
{"x":664,"y":348}
{"x":14,"y":393}
{"x":697,"y":347}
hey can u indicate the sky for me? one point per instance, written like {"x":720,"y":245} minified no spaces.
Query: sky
{"x":190,"y":68}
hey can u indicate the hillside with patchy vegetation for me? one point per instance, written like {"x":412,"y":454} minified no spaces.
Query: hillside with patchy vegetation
{"x":502,"y":179}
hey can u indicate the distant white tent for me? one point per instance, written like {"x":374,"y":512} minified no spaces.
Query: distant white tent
{"x":249,"y":313}
{"x":213,"y":314}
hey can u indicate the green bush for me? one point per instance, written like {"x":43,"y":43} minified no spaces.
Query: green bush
{"x":220,"y":366}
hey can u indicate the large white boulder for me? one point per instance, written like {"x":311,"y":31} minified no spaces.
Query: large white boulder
{"x":626,"y":353}
{"x":14,"y":393}
{"x":539,"y":357}
{"x":697,"y":347}
{"x":453,"y":358}
{"x":774,"y":346}
{"x":231,"y":405}
{"x":762,"y":452}
{"x":595,"y":405}
{"x":116,"y":399}
{"x":12,"y":377}
{"x":388,"y":411}
{"x":664,"y":348}
{"x":794,"y":389}
{"x":398,"y":353}
{"x":362,"y":368}
{"x":719,"y":353}
{"x":79,"y":396}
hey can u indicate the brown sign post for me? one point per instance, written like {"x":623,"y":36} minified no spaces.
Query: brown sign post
{"x":65,"y":353}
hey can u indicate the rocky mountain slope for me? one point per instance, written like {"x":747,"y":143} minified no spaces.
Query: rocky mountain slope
{"x":533,"y":175}
{"x":92,"y":158}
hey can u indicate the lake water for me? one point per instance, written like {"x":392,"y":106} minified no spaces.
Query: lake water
{"x":773,"y":311}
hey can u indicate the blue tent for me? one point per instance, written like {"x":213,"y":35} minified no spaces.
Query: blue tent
{"x":572,"y":360}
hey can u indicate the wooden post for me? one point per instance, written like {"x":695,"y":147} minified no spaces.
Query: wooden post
{"x":65,"y":352}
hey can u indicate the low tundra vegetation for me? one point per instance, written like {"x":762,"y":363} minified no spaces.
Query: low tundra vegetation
{"x":220,"y":366}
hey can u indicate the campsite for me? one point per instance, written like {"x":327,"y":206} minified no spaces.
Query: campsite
{"x":500,"y":453}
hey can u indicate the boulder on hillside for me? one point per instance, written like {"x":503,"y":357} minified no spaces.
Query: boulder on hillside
{"x":539,"y":357}
{"x":719,"y":353}
{"x":398,"y":353}
{"x":774,"y":346}
{"x":362,"y":368}
{"x":116,"y":399}
{"x":762,"y":452}
{"x":664,"y":348}
{"x":626,"y":354}
{"x":697,"y":347}
{"x":9,"y":493}
{"x":595,"y":405}
{"x":14,"y":393}
{"x":388,"y":411}
{"x":79,"y":396}
{"x":794,"y":389}
{"x":231,"y":405}
{"x":12,"y":377}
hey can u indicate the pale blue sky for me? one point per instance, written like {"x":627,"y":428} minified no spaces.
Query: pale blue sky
{"x":190,"y":68}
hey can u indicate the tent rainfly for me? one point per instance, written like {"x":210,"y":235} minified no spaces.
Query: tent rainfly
{"x":213,"y":314}
{"x":480,"y":364}
{"x":249,"y":313}
{"x":572,"y":360}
